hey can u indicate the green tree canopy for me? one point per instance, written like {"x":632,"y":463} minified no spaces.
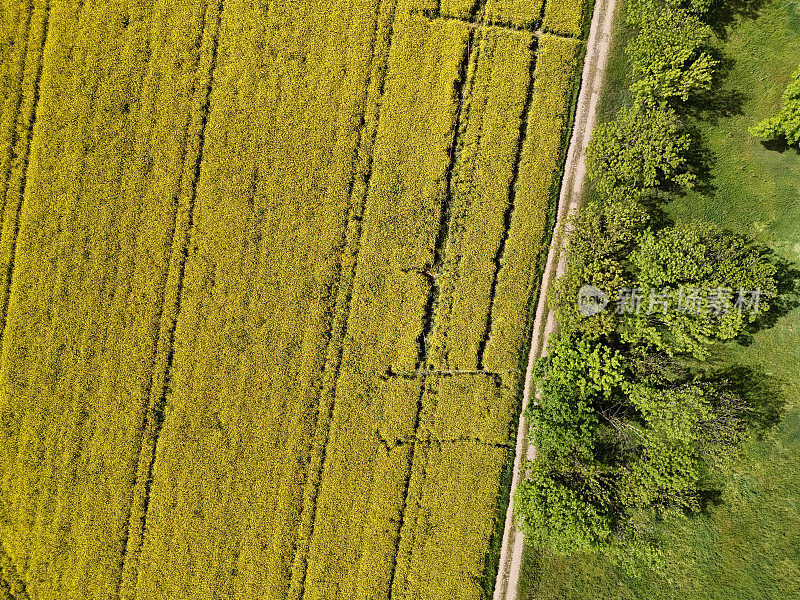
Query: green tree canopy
{"x":643,"y":148}
{"x":615,"y":452}
{"x":700,"y":284}
{"x":668,"y":57}
{"x":787,"y":123}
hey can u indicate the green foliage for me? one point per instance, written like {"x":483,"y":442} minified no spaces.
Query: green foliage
{"x":557,"y":516}
{"x":787,"y":123}
{"x":696,"y":284}
{"x":722,"y":269}
{"x":667,"y":57}
{"x":739,"y":548}
{"x":616,"y":451}
{"x":637,"y":8}
{"x":571,"y":377}
{"x":601,"y":235}
{"x":643,"y":148}
{"x":626,"y":436}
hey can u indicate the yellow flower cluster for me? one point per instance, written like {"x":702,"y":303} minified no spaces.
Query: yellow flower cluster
{"x":566,"y":17}
{"x":271,"y":270}
{"x":537,"y":185}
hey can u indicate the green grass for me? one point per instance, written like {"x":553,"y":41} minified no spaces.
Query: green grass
{"x":747,"y":546}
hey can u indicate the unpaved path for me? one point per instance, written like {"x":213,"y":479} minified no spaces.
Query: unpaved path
{"x":544,"y":324}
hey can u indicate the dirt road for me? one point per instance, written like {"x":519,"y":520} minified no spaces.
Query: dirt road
{"x":544,"y":324}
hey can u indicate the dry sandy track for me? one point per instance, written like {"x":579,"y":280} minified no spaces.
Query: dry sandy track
{"x":544,"y":324}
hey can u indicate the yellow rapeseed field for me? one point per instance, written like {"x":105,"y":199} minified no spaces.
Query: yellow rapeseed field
{"x":265,"y":275}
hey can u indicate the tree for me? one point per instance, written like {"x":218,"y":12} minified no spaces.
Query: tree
{"x":697,"y":7}
{"x":570,"y":379}
{"x":699,"y":285}
{"x":667,"y":57}
{"x":601,"y":237}
{"x":557,"y":516}
{"x":643,"y":148}
{"x":616,"y":453}
{"x":787,"y":123}
{"x":686,"y":430}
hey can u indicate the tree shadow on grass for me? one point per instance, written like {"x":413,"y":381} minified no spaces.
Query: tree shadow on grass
{"x":781,"y":146}
{"x":761,"y":392}
{"x":707,"y":499}
{"x":787,"y":299}
{"x":706,"y":109}
{"x":701,"y":159}
{"x":724,"y":13}
{"x":718,"y":101}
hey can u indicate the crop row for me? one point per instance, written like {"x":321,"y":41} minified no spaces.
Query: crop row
{"x":107,"y":193}
{"x":494,"y":107}
{"x":373,"y":533}
{"x":245,"y":222}
{"x":539,"y":168}
{"x":23,"y":28}
{"x":455,"y":476}
{"x":388,"y":307}
{"x":565,"y":17}
{"x":516,"y":13}
{"x":271,"y":217}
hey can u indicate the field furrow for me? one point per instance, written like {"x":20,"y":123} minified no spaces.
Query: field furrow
{"x":515,"y":13}
{"x":15,"y":22}
{"x":361,"y":178}
{"x":283,"y":161}
{"x":483,"y":181}
{"x":20,"y":95}
{"x":455,"y":498}
{"x":205,"y":58}
{"x":390,"y":293}
{"x":95,"y":240}
{"x":541,"y":156}
{"x":272,"y":264}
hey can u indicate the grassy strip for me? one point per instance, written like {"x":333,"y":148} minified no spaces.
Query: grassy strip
{"x":739,"y":548}
{"x":474,"y":408}
{"x":504,"y":497}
